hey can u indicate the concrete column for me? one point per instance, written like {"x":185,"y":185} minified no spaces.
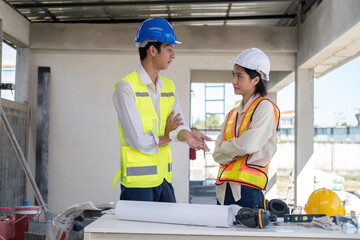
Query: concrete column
{"x":272,"y":97}
{"x":0,"y":54}
{"x":304,"y":128}
{"x":271,"y":188}
{"x":22,"y":74}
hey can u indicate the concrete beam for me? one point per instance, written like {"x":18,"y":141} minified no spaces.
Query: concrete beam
{"x":277,"y":79}
{"x":330,"y":36}
{"x":282,"y":83}
{"x":195,"y":39}
{"x":281,"y":76}
{"x":15,"y":27}
{"x":272,"y":97}
{"x":22,"y":74}
{"x":224,"y":76}
{"x":231,"y":38}
{"x":339,"y":52}
{"x":83,"y":36}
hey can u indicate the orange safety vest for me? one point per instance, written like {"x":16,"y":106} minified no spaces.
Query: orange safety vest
{"x":239,"y":171}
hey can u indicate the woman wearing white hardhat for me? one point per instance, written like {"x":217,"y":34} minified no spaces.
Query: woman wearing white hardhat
{"x":247,"y":140}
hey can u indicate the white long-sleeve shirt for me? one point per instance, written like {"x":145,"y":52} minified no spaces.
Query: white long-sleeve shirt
{"x":259,"y":141}
{"x":129,"y":116}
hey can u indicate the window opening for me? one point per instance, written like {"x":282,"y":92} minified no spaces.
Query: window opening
{"x":210,"y":102}
{"x":8,"y":70}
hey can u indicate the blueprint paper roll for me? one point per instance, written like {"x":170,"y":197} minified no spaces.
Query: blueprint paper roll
{"x":176,"y":213}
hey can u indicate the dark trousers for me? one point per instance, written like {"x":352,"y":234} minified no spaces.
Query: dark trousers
{"x":162,"y":193}
{"x":250,"y":197}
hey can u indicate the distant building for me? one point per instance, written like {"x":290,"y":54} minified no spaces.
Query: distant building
{"x":287,"y":119}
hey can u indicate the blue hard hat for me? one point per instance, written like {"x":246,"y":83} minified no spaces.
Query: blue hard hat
{"x":157,"y":29}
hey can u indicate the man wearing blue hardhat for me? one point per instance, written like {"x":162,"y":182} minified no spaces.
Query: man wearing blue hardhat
{"x":150,"y":118}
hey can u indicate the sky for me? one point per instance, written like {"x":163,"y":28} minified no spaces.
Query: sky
{"x":8,"y":56}
{"x":336,"y":94}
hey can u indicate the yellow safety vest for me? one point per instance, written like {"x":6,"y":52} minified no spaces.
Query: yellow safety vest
{"x":239,"y":171}
{"x":137,"y":169}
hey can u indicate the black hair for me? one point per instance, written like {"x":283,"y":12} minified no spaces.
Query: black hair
{"x":260,"y":86}
{"x":143,"y":50}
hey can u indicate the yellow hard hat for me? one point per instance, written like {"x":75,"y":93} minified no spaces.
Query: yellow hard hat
{"x":324,"y":201}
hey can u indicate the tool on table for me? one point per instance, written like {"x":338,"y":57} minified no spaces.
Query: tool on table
{"x":296,"y":210}
{"x":253,"y":218}
{"x":274,"y":206}
{"x":342,"y":220}
{"x":301,"y":217}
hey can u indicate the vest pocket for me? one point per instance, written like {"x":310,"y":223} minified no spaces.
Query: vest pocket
{"x":140,"y":167}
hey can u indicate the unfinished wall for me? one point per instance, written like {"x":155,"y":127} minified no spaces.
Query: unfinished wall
{"x":15,"y":27}
{"x":12,"y":176}
{"x":83,"y":141}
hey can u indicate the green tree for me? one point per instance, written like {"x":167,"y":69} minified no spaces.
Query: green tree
{"x":199,"y":124}
{"x":212,"y":121}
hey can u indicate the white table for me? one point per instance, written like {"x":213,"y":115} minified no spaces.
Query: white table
{"x":108,"y":227}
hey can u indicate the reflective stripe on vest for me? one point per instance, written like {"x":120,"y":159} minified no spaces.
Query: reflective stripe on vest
{"x":149,"y":170}
{"x":137,"y":169}
{"x":140,"y":171}
{"x":167,"y":94}
{"x":142,"y":94}
{"x":239,"y":171}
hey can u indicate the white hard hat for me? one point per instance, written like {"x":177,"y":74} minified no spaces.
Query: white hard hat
{"x":254,"y":59}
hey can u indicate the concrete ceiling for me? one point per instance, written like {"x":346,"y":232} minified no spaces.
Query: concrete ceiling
{"x":339,"y":52}
{"x":178,"y":12}
{"x":342,"y":46}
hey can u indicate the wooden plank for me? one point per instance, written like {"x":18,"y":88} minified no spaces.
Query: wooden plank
{"x":42,"y":131}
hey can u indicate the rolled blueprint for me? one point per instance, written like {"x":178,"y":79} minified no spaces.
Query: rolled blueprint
{"x":177,"y":213}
